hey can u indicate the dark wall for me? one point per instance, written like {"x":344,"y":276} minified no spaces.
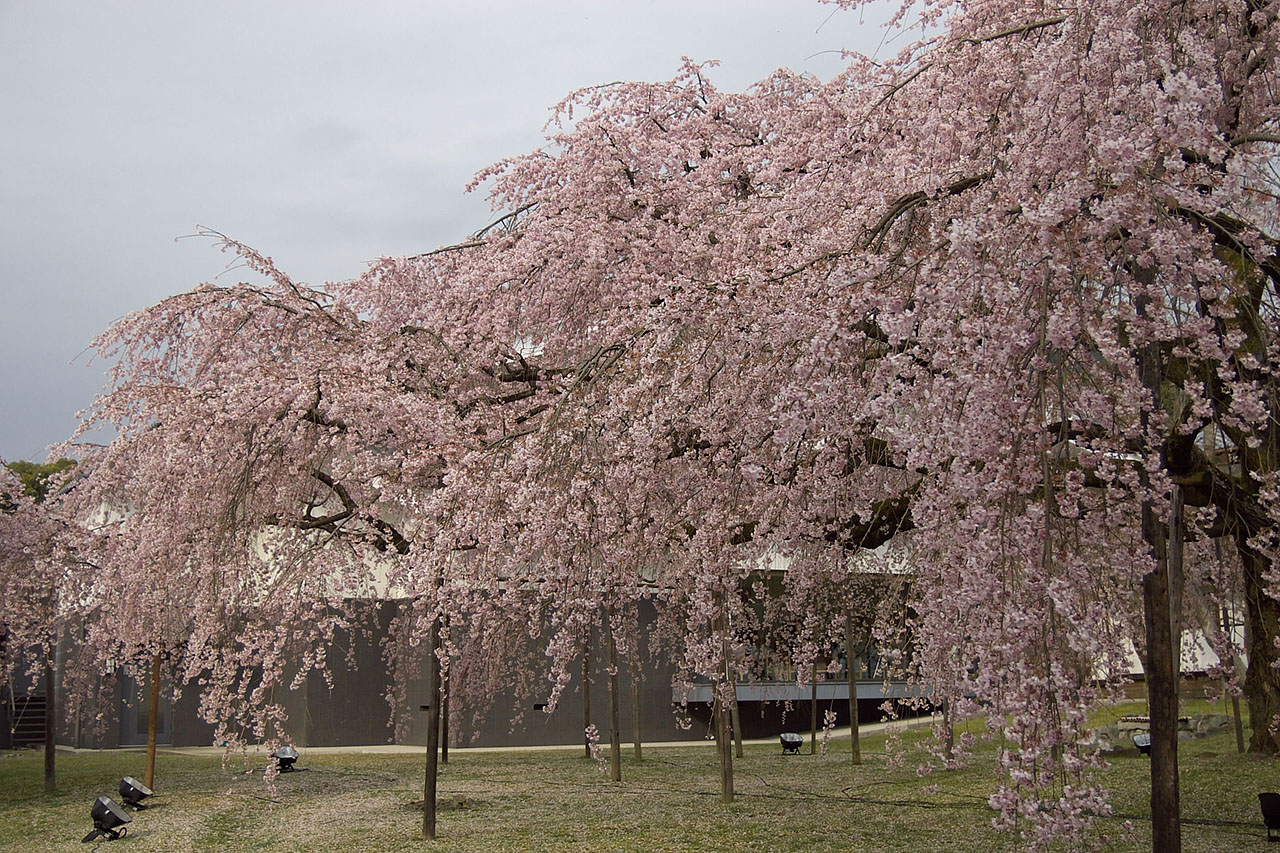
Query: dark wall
{"x":354,"y":709}
{"x":188,"y":728}
{"x":566,"y":725}
{"x":6,"y":725}
{"x":767,"y":719}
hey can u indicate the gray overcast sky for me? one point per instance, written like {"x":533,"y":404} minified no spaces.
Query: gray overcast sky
{"x":324,"y":134}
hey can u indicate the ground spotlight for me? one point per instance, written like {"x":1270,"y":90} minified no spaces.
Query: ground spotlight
{"x":285,"y":757}
{"x":134,"y":792}
{"x":790,"y":742}
{"x":1270,"y":803}
{"x":107,"y":816}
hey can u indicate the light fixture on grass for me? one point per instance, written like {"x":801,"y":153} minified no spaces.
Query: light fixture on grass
{"x":134,"y":792}
{"x":285,"y":757}
{"x":109,"y":820}
{"x":1270,"y":802}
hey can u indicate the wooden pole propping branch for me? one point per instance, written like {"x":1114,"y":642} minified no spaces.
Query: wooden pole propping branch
{"x":586,"y":693}
{"x":636,"y":739}
{"x":813,"y":707}
{"x":50,"y":730}
{"x":855,"y":743}
{"x":1235,"y":700}
{"x":735,"y":719}
{"x":1162,"y":691}
{"x":444,"y":720}
{"x":615,"y":735}
{"x":1162,"y":682}
{"x":433,"y":730}
{"x":1177,"y":580}
{"x":153,"y":722}
{"x":722,"y":683}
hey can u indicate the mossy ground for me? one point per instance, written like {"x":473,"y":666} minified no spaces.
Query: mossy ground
{"x":561,"y":801}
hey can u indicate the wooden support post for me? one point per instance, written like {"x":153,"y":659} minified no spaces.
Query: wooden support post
{"x":949,"y":731}
{"x":615,"y":735}
{"x":1176,"y":580}
{"x":586,"y":693}
{"x":735,"y":720}
{"x":635,"y":701}
{"x":444,"y":720}
{"x":1235,"y":700}
{"x":813,"y":707}
{"x":1162,"y":696}
{"x":722,"y":684}
{"x":855,"y":742}
{"x":433,"y":731}
{"x":50,"y":731}
{"x":1162,"y":685}
{"x":153,"y":722}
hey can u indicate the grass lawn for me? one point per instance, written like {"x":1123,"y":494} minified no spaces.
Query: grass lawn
{"x":561,"y":801}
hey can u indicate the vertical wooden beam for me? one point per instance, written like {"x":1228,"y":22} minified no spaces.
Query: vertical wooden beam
{"x":1162,"y":685}
{"x":50,"y":730}
{"x":444,"y":719}
{"x":1176,"y":578}
{"x":635,"y":701}
{"x":722,"y":684}
{"x":735,"y":720}
{"x":586,"y":693}
{"x":855,"y":745}
{"x":433,"y":730}
{"x":813,"y":707}
{"x":949,"y":731}
{"x":1235,"y":700}
{"x":1162,"y":695}
{"x":615,"y":735}
{"x":153,"y":721}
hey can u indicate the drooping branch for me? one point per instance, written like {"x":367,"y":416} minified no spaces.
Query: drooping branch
{"x":1014,"y":31}
{"x":874,"y":239}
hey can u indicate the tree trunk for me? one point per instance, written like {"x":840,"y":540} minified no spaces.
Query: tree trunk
{"x":153,"y":720}
{"x":615,"y":735}
{"x":855,"y":744}
{"x":433,"y":731}
{"x":1263,"y":615}
{"x":586,"y":693}
{"x":50,"y":731}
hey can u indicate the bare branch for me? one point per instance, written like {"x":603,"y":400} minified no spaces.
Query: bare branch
{"x":1014,"y":31}
{"x":456,"y":247}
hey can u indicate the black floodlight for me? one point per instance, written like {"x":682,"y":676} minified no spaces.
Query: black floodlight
{"x":107,"y":816}
{"x":1142,"y":740}
{"x":285,"y":757}
{"x":791,"y":742}
{"x":134,"y":792}
{"x":1270,"y":803}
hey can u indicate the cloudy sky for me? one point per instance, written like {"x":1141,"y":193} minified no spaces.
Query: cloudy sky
{"x":323,"y":133}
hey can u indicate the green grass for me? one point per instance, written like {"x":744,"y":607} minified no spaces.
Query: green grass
{"x":561,"y":801}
